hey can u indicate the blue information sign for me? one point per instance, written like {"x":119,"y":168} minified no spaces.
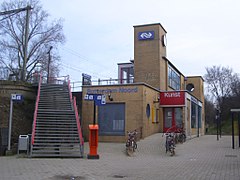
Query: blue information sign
{"x":99,"y":99}
{"x":146,"y":35}
{"x":17,"y":97}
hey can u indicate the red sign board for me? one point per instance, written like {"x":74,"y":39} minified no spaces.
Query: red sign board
{"x":172,"y":98}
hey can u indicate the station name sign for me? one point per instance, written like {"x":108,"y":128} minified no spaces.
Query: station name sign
{"x":113,"y":90}
{"x":146,"y":35}
{"x":172,"y":98}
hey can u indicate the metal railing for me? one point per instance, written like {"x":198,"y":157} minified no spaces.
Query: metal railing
{"x":78,"y":122}
{"x":73,"y":101}
{"x":36,"y":109}
{"x":77,"y":85}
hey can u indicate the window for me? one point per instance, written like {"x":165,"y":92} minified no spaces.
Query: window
{"x":193,"y":115}
{"x":125,"y":73}
{"x":173,"y":79}
{"x":168,"y":117}
{"x":111,"y":119}
{"x":178,"y":117}
{"x":199,"y":117}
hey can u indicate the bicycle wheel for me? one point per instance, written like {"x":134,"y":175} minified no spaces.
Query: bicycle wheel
{"x":134,"y":146}
{"x":129,"y":149}
{"x":172,"y":151}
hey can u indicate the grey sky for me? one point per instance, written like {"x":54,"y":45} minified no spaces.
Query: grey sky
{"x":99,"y":33}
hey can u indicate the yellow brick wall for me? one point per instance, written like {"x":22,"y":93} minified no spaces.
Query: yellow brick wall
{"x":198,"y":92}
{"x":148,"y":62}
{"x":135,"y":110}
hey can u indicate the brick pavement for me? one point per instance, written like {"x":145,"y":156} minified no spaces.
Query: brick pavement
{"x":201,"y":158}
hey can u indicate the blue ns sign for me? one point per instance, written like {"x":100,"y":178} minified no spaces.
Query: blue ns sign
{"x":146,"y":35}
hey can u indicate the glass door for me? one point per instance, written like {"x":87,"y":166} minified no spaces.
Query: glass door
{"x":168,"y":119}
{"x":173,"y":119}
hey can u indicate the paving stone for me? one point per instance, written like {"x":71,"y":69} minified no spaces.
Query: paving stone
{"x":202,"y":158}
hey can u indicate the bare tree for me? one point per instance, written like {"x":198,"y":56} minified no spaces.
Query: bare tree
{"x":236,"y":86}
{"x":210,"y":109}
{"x":219,"y":80}
{"x":42,"y":35}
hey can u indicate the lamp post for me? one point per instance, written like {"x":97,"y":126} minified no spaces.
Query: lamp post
{"x":49,"y":61}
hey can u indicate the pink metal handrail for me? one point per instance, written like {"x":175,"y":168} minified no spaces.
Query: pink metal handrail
{"x":77,"y":120}
{"x":36,"y":109}
{"x":73,"y":100}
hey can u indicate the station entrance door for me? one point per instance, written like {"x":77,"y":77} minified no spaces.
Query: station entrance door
{"x":173,"y":118}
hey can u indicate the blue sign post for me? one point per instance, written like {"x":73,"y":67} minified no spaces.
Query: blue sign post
{"x":14,"y":98}
{"x":98,"y":99}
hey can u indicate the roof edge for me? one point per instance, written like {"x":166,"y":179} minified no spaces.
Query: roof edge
{"x":153,"y":24}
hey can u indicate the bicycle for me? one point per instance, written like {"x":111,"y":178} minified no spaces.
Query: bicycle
{"x":182,"y":136}
{"x":131,"y":144}
{"x":170,"y":143}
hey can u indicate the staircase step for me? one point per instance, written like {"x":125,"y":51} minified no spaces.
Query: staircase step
{"x":55,"y":134}
{"x":55,"y":111}
{"x":51,"y":145}
{"x":60,"y":141}
{"x":51,"y":137}
{"x":59,"y":119}
{"x":55,"y":128}
{"x":54,"y":131}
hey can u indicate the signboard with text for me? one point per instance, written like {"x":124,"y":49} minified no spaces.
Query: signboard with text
{"x":172,"y":98}
{"x":16,"y":97}
{"x":99,"y":99}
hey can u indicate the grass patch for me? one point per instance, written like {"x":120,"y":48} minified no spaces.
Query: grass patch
{"x":226,"y":128}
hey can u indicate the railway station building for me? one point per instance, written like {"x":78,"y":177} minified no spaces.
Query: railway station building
{"x":150,"y":94}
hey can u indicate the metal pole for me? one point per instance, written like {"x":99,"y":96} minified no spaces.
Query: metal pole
{"x":49,"y":61}
{"x":28,"y":8}
{"x":238,"y":129}
{"x":217,"y":127}
{"x":233,"y":130}
{"x":220,"y":124}
{"x":198,"y":125}
{"x":10,"y":124}
{"x":94,"y":113}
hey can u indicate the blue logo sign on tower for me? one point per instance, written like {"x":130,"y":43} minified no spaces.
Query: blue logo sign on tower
{"x":146,"y":35}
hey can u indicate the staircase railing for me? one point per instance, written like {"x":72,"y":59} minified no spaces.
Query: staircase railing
{"x":73,"y":100}
{"x":78,"y":122}
{"x":69,"y":90}
{"x":36,"y":109}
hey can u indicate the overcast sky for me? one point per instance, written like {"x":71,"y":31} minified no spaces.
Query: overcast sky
{"x":99,"y":33}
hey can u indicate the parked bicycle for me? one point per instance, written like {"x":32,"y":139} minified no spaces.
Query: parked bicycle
{"x":180,"y":135}
{"x":170,"y":143}
{"x":131,"y":144}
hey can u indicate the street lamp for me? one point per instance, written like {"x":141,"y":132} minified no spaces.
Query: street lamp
{"x":49,"y":61}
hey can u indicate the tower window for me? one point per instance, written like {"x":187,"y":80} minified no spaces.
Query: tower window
{"x":173,"y":79}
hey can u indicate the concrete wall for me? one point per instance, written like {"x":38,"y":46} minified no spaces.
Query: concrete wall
{"x":13,"y":87}
{"x":22,"y":116}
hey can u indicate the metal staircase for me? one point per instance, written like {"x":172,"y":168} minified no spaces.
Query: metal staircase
{"x":56,"y":128}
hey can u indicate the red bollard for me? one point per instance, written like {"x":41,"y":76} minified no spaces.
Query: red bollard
{"x":93,"y":142}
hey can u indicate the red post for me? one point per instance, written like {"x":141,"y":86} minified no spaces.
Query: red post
{"x":93,"y":142}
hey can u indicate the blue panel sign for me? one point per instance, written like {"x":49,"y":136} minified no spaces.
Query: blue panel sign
{"x":146,"y":35}
{"x":99,"y":99}
{"x":17,"y":97}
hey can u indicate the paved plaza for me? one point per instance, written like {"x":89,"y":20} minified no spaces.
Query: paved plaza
{"x":202,"y":158}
